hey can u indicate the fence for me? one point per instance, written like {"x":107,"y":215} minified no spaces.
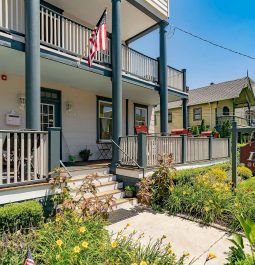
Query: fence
{"x":23,"y":156}
{"x":184,"y":149}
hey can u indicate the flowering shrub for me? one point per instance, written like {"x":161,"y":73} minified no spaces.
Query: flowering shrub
{"x":244,"y":172}
{"x":73,"y":241}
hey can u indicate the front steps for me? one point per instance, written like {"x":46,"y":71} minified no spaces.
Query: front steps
{"x":106,"y":186}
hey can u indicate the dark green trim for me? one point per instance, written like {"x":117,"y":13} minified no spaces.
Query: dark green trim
{"x":99,"y":98}
{"x":234,"y":153}
{"x":144,"y":107}
{"x":144,"y":10}
{"x":185,"y":113}
{"x":127,"y":117}
{"x":52,"y":7}
{"x":142,"y":34}
{"x":9,"y":43}
{"x":177,"y":93}
{"x":210,"y":147}
{"x":184,"y":149}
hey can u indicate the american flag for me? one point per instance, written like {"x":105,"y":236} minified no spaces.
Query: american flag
{"x":29,"y":259}
{"x":98,"y":38}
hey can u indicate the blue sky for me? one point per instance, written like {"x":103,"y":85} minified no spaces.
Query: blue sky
{"x":230,"y":23}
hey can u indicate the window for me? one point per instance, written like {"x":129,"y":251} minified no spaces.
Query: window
{"x":141,"y":115}
{"x":170,"y":117}
{"x":105,"y":120}
{"x":226,"y":110}
{"x":197,"y":114}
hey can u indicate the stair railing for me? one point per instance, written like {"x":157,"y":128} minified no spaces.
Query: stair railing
{"x":143,"y":169}
{"x":65,"y":168}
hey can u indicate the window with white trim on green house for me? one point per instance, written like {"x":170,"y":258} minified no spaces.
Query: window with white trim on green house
{"x":105,"y":120}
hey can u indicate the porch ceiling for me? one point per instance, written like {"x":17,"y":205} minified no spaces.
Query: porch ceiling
{"x":88,"y":13}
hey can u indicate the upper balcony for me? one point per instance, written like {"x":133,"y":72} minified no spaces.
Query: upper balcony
{"x":70,"y":36}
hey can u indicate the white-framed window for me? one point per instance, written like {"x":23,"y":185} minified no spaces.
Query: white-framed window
{"x":170,"y":117}
{"x":197,"y":114}
{"x":105,"y":120}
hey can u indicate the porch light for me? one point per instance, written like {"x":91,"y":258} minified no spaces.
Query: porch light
{"x":69,"y":106}
{"x":22,"y":101}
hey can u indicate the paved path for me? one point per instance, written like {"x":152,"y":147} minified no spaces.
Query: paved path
{"x":184,"y":235}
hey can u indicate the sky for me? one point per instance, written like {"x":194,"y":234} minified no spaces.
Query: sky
{"x":230,"y":23}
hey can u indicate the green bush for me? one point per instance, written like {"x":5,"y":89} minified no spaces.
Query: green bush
{"x":20,"y":215}
{"x":68,"y":240}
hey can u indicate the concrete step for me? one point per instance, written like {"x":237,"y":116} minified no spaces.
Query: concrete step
{"x":83,"y":171}
{"x":98,"y":179}
{"x":125,"y":203}
{"x":116,"y":194}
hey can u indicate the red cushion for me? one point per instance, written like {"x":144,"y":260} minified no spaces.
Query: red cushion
{"x":141,"y":129}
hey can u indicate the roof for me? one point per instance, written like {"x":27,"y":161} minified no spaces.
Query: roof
{"x":216,"y":92}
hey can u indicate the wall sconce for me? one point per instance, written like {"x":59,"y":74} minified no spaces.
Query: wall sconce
{"x":69,"y":106}
{"x":22,"y":101}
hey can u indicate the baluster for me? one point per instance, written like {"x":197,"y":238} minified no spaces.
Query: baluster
{"x":15,"y":158}
{"x":1,"y":13}
{"x":8,"y":159}
{"x":11,"y":14}
{"x":47,"y":25}
{"x":59,"y":35}
{"x":55,"y":29}
{"x":42,"y":24}
{"x":6,"y":14}
{"x":70,"y":36}
{"x":17,"y":15}
{"x":22,"y":164}
{"x":35,"y":156}
{"x":29,"y":156}
{"x":63,"y":33}
{"x":1,"y":158}
{"x":41,"y":155}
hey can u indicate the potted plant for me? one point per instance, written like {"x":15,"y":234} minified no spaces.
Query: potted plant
{"x":85,"y":154}
{"x":129,"y":191}
{"x":72,"y":158}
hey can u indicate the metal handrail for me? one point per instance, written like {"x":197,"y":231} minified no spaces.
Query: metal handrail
{"x":143,"y":169}
{"x":65,"y":168}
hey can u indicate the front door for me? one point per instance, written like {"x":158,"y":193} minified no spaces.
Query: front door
{"x":50,"y":108}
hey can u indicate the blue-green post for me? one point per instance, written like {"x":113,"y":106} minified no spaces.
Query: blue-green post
{"x":32,"y":46}
{"x":184,"y":102}
{"x":163,"y":79}
{"x":141,"y":152}
{"x":234,"y":153}
{"x":116,"y":79}
{"x":210,"y":146}
{"x":184,"y":148}
{"x":54,"y":135}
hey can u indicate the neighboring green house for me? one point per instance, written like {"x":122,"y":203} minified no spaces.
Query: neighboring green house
{"x":214,"y":104}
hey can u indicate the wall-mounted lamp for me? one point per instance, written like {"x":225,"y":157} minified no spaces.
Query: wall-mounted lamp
{"x":69,"y":106}
{"x":22,"y":101}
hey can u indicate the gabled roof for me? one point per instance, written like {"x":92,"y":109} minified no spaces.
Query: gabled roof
{"x":216,"y":92}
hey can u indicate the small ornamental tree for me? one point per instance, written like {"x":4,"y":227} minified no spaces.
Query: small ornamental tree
{"x":202,"y":126}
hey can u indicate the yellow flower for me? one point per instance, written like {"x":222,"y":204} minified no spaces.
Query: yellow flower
{"x":206,"y":209}
{"x":211,"y":255}
{"x":169,"y":251}
{"x":85,"y":244}
{"x":134,"y":263}
{"x":77,"y":249}
{"x":143,"y":263}
{"x":58,"y":219}
{"x":46,"y":226}
{"x":171,"y":189}
{"x":82,"y":229}
{"x":124,"y":237}
{"x":59,"y":242}
{"x":186,"y":254}
{"x":114,"y":244}
{"x":58,"y":257}
{"x":128,"y":225}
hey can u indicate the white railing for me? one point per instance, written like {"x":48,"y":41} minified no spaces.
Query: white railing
{"x":220,"y":148}
{"x":12,"y":15}
{"x":197,"y":149}
{"x":65,"y":34}
{"x":139,"y":64}
{"x":23,"y":156}
{"x":175,"y":78}
{"x":158,"y":146}
{"x":129,"y":145}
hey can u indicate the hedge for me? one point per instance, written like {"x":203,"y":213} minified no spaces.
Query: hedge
{"x":22,"y":215}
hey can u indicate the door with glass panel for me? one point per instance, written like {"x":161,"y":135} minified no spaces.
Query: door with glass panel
{"x":47,"y":116}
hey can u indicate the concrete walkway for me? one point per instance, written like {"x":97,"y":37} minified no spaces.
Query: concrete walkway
{"x":184,"y":235}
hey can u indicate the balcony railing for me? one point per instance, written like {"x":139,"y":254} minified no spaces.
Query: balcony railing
{"x":64,"y":34}
{"x":241,"y":121}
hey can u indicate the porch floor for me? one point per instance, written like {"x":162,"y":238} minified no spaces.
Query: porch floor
{"x":94,"y":164}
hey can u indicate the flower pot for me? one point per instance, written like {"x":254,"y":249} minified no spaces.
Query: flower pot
{"x":129,"y":194}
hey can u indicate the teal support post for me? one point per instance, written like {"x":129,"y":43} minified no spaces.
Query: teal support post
{"x":184,"y":102}
{"x":163,"y":79}
{"x":54,"y":155}
{"x":142,"y":150}
{"x":184,"y":148}
{"x":210,"y":147}
{"x":33,"y":82}
{"x":234,"y":153}
{"x":116,"y":80}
